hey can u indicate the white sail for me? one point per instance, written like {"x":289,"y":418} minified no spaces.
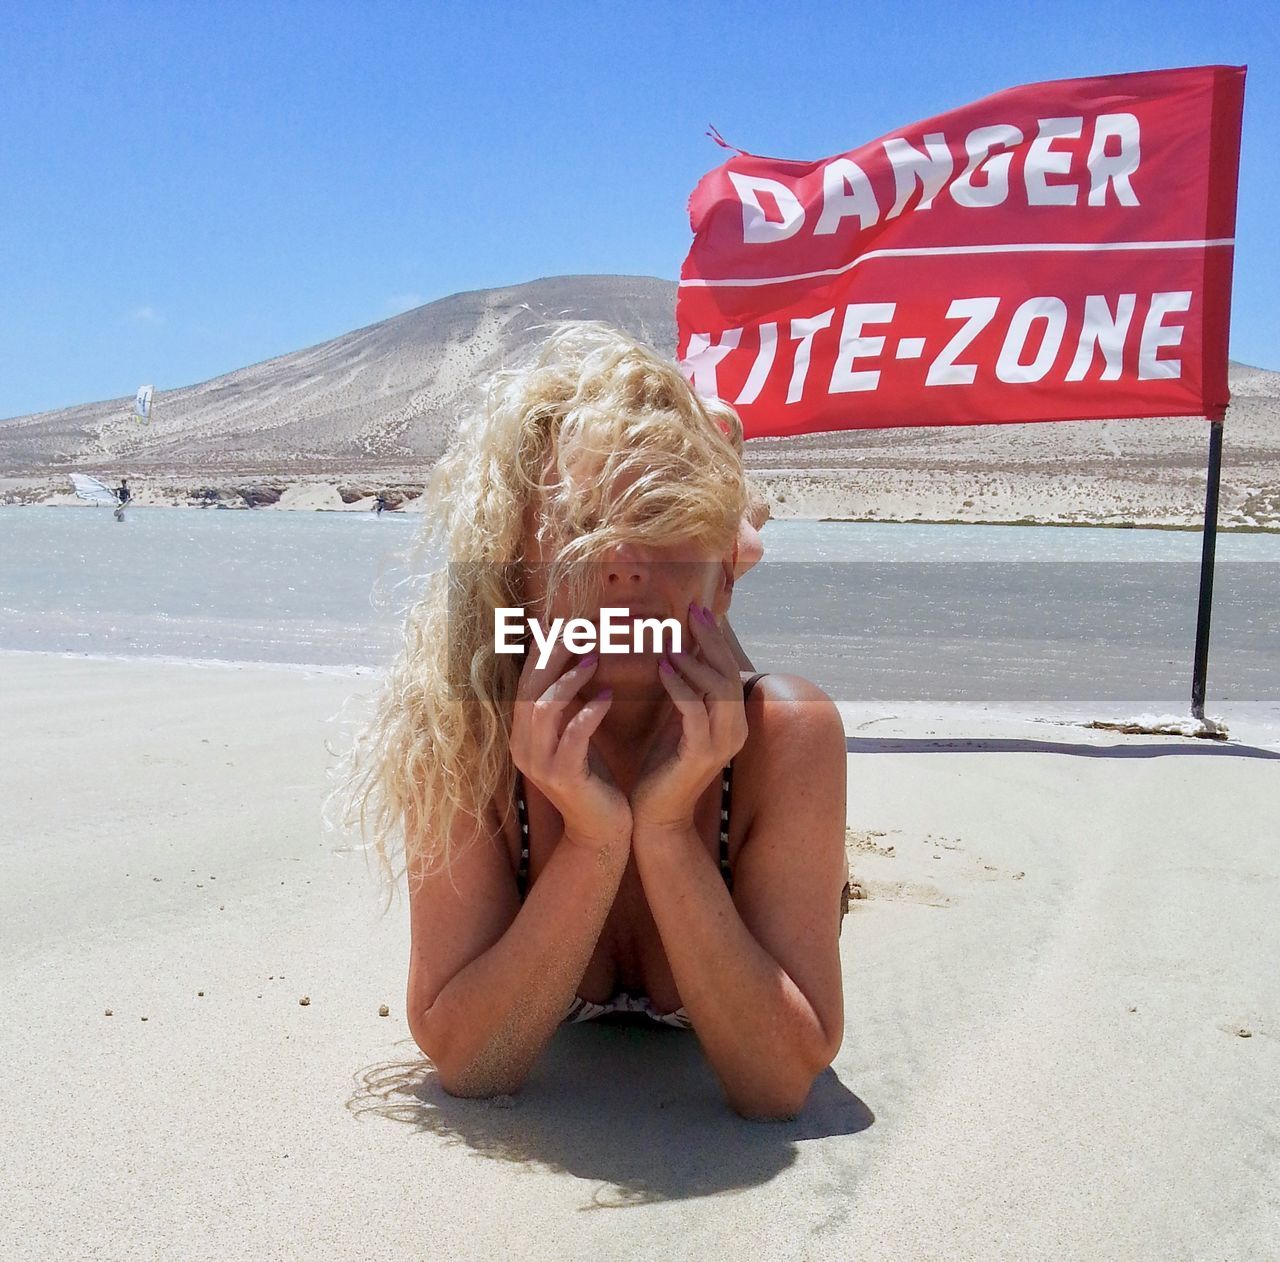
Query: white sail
{"x":95,"y":492}
{"x":142,"y":402}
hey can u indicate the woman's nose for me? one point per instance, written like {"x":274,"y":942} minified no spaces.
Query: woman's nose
{"x":626,"y":567}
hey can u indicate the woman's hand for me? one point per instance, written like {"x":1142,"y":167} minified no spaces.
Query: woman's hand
{"x":708,"y":726}
{"x":551,"y":745}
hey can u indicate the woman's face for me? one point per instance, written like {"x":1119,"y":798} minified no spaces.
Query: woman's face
{"x":647,"y":581}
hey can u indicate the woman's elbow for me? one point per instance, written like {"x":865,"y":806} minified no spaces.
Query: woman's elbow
{"x":784,"y":1097}
{"x":473,"y":1087}
{"x":473,"y":1082}
{"x":426,"y":1034}
{"x":777,"y":1101}
{"x":778,"y":1105}
{"x":467,"y":1081}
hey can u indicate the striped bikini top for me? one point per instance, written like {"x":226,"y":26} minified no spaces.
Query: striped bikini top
{"x":583,"y":1009}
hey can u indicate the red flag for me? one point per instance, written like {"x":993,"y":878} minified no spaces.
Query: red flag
{"x":1059,"y":251}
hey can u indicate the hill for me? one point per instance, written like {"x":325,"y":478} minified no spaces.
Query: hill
{"x":372,"y":409}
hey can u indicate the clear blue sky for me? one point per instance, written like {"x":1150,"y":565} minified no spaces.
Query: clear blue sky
{"x":190,"y":188}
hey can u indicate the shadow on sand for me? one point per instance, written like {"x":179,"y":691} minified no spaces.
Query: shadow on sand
{"x":633,"y":1108}
{"x":1186,"y":746}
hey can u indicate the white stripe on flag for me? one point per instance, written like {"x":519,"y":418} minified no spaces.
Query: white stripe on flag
{"x":1046,"y":247}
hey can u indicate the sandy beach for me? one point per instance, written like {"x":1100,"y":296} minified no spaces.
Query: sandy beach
{"x":1063,"y":1011}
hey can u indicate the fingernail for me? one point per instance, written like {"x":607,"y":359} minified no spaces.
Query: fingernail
{"x":666,"y":665}
{"x":590,"y":658}
{"x":604,"y":694}
{"x":706,"y":614}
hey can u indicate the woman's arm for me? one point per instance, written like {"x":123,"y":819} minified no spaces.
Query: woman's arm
{"x":758,"y":971}
{"x":489,"y":979}
{"x":496,"y":978}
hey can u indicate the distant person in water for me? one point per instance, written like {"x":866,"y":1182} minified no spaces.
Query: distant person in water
{"x":380,"y":504}
{"x":123,"y":492}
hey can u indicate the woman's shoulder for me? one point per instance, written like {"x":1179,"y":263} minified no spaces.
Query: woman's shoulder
{"x":795,"y":745}
{"x":788,"y":717}
{"x":789,"y":694}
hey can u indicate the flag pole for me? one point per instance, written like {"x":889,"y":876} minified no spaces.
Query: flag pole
{"x":1201,"y":666}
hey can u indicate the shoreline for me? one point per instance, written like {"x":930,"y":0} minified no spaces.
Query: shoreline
{"x":1163,"y":497}
{"x":1247,"y":725}
{"x":337,"y":670}
{"x":414,"y":510}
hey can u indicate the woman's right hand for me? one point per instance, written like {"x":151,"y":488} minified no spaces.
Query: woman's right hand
{"x":551,"y":746}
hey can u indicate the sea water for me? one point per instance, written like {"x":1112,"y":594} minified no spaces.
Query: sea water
{"x":1048,"y":619}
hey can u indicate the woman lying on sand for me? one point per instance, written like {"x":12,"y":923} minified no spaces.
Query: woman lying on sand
{"x":618,"y":832}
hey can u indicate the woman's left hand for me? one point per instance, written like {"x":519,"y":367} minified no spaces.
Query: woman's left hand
{"x":706,"y":729}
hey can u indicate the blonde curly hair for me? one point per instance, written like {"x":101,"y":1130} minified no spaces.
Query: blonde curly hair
{"x":665,"y":467}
